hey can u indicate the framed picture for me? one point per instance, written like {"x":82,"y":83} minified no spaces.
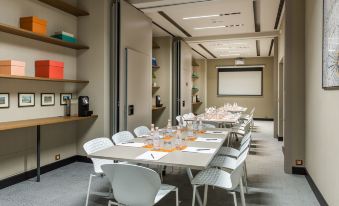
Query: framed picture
{"x":64,"y":97}
{"x":26,"y":99}
{"x":47,"y":99}
{"x":4,"y":100}
{"x":330,"y":73}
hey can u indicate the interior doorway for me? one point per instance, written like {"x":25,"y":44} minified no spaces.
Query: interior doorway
{"x":281,"y":94}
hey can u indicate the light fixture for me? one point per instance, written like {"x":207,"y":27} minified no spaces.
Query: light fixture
{"x":209,"y":27}
{"x":200,"y":17}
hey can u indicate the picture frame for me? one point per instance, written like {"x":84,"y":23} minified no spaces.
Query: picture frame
{"x":26,"y":99}
{"x":4,"y":100}
{"x":63,"y":96}
{"x":330,"y":45}
{"x":47,"y":99}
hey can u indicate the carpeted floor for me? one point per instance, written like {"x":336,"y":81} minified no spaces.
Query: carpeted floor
{"x":268,"y":184}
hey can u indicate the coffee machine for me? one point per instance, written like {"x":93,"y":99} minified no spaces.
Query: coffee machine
{"x":83,"y":107}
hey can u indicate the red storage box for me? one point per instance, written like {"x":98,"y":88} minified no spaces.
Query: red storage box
{"x":49,"y":69}
{"x":12,"y":67}
{"x":34,"y":24}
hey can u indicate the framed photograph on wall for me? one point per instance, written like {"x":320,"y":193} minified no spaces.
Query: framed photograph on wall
{"x":47,"y":99}
{"x":330,"y":73}
{"x":4,"y":100}
{"x":26,"y":99}
{"x":64,"y":97}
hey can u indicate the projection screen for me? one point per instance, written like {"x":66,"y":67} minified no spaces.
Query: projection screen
{"x":240,"y":81}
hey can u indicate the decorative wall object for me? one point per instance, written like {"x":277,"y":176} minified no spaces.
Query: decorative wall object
{"x":331,"y":44}
{"x":4,"y":100}
{"x":63,"y":97}
{"x":26,"y":99}
{"x":47,"y":99}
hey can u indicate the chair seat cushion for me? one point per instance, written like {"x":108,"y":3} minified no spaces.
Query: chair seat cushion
{"x":224,"y":162}
{"x":229,"y":151}
{"x":213,"y":177}
{"x":163,"y":191}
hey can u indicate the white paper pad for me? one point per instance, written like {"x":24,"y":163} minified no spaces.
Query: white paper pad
{"x":151,"y":155}
{"x":131,"y":144}
{"x":202,"y":139}
{"x":199,"y":150}
{"x":216,"y":132}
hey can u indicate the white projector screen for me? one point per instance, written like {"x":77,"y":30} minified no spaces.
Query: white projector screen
{"x":240,"y":81}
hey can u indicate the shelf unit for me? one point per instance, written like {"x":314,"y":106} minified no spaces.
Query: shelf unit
{"x":158,"y":108}
{"x":31,"y":35}
{"x":66,"y":7}
{"x":155,"y":67}
{"x":196,"y":103}
{"x":43,"y":79}
{"x":155,"y":87}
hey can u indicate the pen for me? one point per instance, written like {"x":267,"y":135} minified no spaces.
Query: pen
{"x":152,"y":156}
{"x":202,"y":149}
{"x":211,"y":139}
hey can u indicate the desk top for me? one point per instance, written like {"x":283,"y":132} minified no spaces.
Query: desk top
{"x":41,"y":121}
{"x":176,"y":158}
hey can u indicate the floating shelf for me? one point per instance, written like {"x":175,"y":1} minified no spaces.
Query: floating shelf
{"x":43,"y":79}
{"x":195,"y":77}
{"x":66,"y":7}
{"x":31,"y":35}
{"x":196,"y":103}
{"x":155,"y":87}
{"x":158,"y":108}
{"x":155,"y":67}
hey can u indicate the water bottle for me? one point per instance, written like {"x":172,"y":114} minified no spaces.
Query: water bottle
{"x":156,"y":139}
{"x":200,"y":126}
{"x":169,"y":126}
{"x":152,"y":130}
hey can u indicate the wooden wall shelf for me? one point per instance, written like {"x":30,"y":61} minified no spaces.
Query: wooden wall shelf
{"x":155,"y":67}
{"x":28,"y":34}
{"x":196,"y":103}
{"x":155,"y":87}
{"x":66,"y":7}
{"x":43,"y":79}
{"x":158,"y":108}
{"x":40,"y":122}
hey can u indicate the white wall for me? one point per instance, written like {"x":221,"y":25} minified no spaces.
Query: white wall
{"x":322,"y":112}
{"x":17,"y":147}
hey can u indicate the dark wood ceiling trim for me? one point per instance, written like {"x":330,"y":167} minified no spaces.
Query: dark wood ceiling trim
{"x":163,"y":14}
{"x":177,"y":4}
{"x":208,"y":51}
{"x":277,"y":20}
{"x":256,"y":21}
{"x":257,"y":43}
{"x":165,"y":30}
{"x":199,"y":53}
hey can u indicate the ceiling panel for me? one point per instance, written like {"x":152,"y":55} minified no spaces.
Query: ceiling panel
{"x":232,"y":49}
{"x":268,"y":14}
{"x":157,"y":18}
{"x":265,"y":46}
{"x":158,"y":32}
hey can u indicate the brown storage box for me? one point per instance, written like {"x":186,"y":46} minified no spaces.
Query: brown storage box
{"x":12,"y":67}
{"x":34,"y":24}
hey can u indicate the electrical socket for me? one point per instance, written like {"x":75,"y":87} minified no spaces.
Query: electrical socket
{"x":57,"y":157}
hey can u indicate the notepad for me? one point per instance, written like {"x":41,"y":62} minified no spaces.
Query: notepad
{"x":202,"y":139}
{"x":216,"y":132}
{"x":151,"y":155}
{"x":131,"y":144}
{"x":199,"y":150}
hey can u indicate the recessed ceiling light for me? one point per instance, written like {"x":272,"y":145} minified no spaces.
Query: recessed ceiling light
{"x":200,"y":17}
{"x":209,"y":27}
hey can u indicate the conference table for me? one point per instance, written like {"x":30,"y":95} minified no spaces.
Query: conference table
{"x":178,"y":158}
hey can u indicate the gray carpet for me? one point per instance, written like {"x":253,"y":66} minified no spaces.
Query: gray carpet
{"x":269,"y":185}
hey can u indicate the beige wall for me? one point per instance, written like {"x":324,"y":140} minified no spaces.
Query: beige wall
{"x":322,"y":112}
{"x":186,"y":78}
{"x":263,"y":104}
{"x":163,"y":80}
{"x":17,"y":147}
{"x":201,"y":84}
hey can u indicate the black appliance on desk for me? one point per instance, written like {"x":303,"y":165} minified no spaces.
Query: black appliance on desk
{"x":83,"y":107}
{"x":158,"y":101}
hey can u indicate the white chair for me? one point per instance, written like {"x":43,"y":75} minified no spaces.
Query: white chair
{"x":141,"y":131}
{"x":218,"y":178}
{"x":92,"y":146}
{"x":181,"y":121}
{"x":122,"y":137}
{"x":136,"y":185}
{"x":232,"y":152}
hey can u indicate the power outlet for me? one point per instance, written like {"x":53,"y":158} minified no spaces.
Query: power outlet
{"x":299,"y":162}
{"x":57,"y":157}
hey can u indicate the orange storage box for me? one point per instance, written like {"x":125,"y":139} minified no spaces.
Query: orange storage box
{"x":49,"y":69}
{"x":12,"y":67}
{"x":34,"y":24}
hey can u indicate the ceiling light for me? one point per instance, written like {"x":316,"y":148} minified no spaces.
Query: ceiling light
{"x":200,"y":17}
{"x":227,"y":55}
{"x":209,"y":27}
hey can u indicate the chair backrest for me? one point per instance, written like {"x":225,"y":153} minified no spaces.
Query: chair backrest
{"x":242,"y":157}
{"x":181,"y":121}
{"x":122,"y":137}
{"x":246,"y":137}
{"x":141,"y":131}
{"x":247,"y":127}
{"x":95,"y":145}
{"x":133,"y":185}
{"x":252,"y":111}
{"x":244,"y":146}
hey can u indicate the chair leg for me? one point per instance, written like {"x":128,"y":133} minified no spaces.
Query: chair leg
{"x":177,"y":197}
{"x":89,"y":188}
{"x":242,"y":195}
{"x":205,"y":195}
{"x":194,"y":191}
{"x":245,"y":177}
{"x":235,"y":198}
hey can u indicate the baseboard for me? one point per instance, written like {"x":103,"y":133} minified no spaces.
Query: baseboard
{"x":315,"y":189}
{"x":299,"y":170}
{"x":264,"y":119}
{"x":44,"y":169}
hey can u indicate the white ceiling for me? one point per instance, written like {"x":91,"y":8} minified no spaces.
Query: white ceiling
{"x":221,"y":17}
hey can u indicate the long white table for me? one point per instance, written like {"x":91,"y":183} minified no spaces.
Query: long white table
{"x":177,"y":158}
